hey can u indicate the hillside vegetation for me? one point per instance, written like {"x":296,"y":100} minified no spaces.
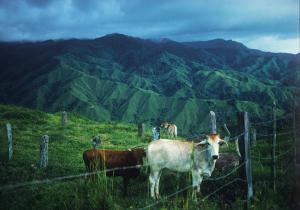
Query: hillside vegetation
{"x":122,"y":78}
{"x":66,"y":146}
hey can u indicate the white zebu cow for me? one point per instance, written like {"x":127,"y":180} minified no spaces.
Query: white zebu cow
{"x":182,"y":156}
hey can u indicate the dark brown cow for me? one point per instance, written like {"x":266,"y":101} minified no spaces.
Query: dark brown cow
{"x":100,"y":159}
{"x":227,"y":161}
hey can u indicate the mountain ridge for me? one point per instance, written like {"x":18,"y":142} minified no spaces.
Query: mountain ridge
{"x":210,"y":43}
{"x":122,"y":78}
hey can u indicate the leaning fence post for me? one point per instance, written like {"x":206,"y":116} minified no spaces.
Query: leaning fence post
{"x":64,"y":118}
{"x":213,"y":122}
{"x":9,"y":140}
{"x":141,"y":127}
{"x":274,"y":147}
{"x":244,"y":147}
{"x":44,"y":152}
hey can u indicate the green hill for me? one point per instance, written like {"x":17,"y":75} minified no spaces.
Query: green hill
{"x":63,"y":184}
{"x":122,"y":78}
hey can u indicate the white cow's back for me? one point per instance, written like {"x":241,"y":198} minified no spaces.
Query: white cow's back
{"x":174,"y":155}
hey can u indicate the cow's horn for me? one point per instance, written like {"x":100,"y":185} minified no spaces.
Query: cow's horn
{"x":202,"y":142}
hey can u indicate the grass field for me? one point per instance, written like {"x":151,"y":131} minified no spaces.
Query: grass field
{"x":66,"y":146}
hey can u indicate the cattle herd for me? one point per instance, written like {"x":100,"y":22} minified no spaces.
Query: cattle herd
{"x":176,"y":155}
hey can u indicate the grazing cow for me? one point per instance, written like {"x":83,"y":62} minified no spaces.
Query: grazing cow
{"x":171,"y":128}
{"x":100,"y":159}
{"x":182,"y":156}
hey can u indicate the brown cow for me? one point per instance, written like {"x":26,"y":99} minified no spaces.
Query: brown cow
{"x":101,"y":159}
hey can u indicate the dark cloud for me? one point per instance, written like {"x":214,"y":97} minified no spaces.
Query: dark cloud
{"x":176,"y":19}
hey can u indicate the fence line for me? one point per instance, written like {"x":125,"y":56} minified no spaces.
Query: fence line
{"x":286,"y":169}
{"x":35,"y":182}
{"x":211,"y":179}
{"x":274,"y":120}
{"x":118,"y":168}
{"x":12,"y":186}
{"x":235,"y":137}
{"x":168,"y":196}
{"x":223,"y":177}
{"x":270,"y":158}
{"x":270,"y":121}
{"x":278,"y":134}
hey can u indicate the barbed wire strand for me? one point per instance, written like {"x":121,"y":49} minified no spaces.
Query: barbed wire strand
{"x":49,"y":180}
{"x":271,"y":134}
{"x":270,"y":158}
{"x":269,"y":121}
{"x":36,"y":182}
{"x":181,"y":190}
{"x":286,"y":169}
{"x":166,"y":197}
{"x":119,"y":168}
{"x":231,"y":172}
{"x":235,"y":137}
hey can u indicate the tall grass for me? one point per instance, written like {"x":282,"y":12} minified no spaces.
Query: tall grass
{"x":65,"y":158}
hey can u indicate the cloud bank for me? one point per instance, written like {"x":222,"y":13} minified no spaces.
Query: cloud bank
{"x":263,"y":24}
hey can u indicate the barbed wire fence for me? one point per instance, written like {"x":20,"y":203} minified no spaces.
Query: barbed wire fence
{"x":245,"y":165}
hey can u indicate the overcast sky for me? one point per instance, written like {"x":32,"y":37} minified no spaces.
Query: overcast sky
{"x":269,"y":25}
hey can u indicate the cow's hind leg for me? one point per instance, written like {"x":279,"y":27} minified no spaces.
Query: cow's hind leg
{"x":154,"y":175}
{"x":157,"y":186}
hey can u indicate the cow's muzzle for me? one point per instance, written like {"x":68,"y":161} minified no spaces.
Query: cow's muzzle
{"x":215,"y":157}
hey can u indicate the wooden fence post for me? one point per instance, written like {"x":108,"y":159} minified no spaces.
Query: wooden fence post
{"x":296,"y":147}
{"x":141,"y":127}
{"x":274,"y":147}
{"x":44,"y":152}
{"x":244,"y":147}
{"x":64,"y":118}
{"x":213,"y":122}
{"x":9,"y":140}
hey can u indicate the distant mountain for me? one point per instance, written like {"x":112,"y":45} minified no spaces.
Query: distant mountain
{"x":122,"y":78}
{"x":216,"y":44}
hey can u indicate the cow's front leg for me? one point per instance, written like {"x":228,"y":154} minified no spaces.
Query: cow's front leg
{"x":197,"y":179}
{"x":199,"y":184}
